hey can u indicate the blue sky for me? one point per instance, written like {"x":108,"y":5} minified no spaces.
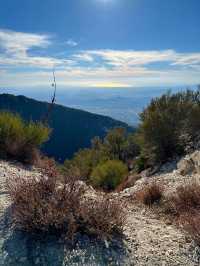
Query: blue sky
{"x":99,"y":43}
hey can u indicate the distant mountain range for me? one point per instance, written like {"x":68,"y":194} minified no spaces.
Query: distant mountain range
{"x":122,"y":104}
{"x":72,"y":128}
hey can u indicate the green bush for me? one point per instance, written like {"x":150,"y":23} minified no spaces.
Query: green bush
{"x":168,"y":124}
{"x":117,"y":145}
{"x":109,"y":174}
{"x":81,"y":163}
{"x":20,"y":140}
{"x":84,"y":162}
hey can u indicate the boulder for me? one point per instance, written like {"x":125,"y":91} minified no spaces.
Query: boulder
{"x":190,"y":164}
{"x":186,"y":167}
{"x":196,"y":160}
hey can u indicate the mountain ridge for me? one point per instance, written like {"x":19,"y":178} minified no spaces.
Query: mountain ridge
{"x":72,"y":128}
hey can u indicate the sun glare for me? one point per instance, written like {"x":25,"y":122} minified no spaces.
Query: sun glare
{"x":110,"y":85}
{"x":104,"y":1}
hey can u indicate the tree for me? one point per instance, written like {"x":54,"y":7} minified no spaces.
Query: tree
{"x":168,"y":124}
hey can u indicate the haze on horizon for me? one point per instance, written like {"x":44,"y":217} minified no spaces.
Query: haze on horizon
{"x":99,"y":43}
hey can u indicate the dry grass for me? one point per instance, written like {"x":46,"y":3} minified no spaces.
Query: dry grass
{"x":150,"y":194}
{"x":41,"y":205}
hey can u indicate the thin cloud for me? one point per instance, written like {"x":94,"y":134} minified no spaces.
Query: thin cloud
{"x":91,"y":67}
{"x":16,"y":48}
{"x":18,"y":43}
{"x":119,"y":58}
{"x":71,"y":43}
{"x":86,"y":57}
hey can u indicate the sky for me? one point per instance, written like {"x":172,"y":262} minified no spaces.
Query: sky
{"x":99,"y":43}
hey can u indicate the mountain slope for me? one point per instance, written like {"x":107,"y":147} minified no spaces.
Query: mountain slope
{"x":72,"y":129}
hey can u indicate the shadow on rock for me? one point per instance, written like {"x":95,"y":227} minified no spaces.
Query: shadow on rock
{"x":22,"y":249}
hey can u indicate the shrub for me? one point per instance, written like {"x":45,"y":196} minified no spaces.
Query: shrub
{"x":40,"y":205}
{"x":186,"y":199}
{"x":49,"y":167}
{"x":109,"y":174}
{"x":83,"y":162}
{"x":185,"y":205}
{"x":103,"y":217}
{"x":190,"y":224}
{"x":114,"y":143}
{"x":117,"y":145}
{"x":164,"y":123}
{"x":20,"y":140}
{"x":130,"y":148}
{"x":150,"y":194}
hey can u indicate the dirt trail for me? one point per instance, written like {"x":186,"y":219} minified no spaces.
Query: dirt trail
{"x":155,"y":242}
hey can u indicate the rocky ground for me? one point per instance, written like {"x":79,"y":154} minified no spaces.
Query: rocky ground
{"x":149,"y":239}
{"x":20,"y":249}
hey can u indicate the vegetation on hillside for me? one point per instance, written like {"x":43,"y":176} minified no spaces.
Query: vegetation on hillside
{"x":52,"y":202}
{"x":105,"y":164}
{"x":20,"y":140}
{"x":109,"y":175}
{"x":55,"y":202}
{"x":72,"y":129}
{"x":168,"y":125}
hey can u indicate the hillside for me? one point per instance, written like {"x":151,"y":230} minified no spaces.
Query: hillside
{"x":149,"y":238}
{"x":72,"y":129}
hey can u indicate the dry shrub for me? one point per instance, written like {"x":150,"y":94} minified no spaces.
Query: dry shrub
{"x":41,"y":205}
{"x":186,"y":199}
{"x":150,"y":194}
{"x":191,"y":224}
{"x":103,"y":217}
{"x":184,"y":204}
{"x":22,"y":152}
{"x":48,"y":167}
